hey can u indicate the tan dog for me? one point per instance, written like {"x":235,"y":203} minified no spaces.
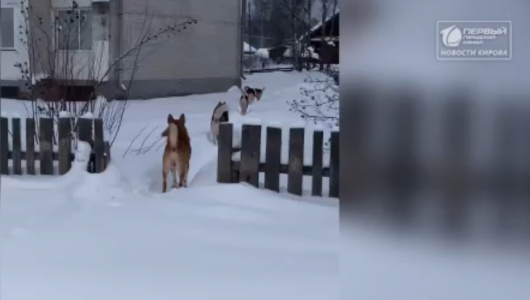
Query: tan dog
{"x":177,"y":153}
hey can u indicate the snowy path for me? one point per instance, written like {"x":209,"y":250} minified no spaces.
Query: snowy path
{"x":172,"y":247}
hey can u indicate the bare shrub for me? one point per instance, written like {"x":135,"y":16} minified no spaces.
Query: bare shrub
{"x":62,"y":81}
{"x":319,"y":103}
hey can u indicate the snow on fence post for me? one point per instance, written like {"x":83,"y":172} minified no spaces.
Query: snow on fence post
{"x":317,"y":166}
{"x":99,"y":146}
{"x":17,"y":146}
{"x":224,"y":153}
{"x":65,"y":145}
{"x":250,"y":154}
{"x":46,"y":146}
{"x":4,"y":145}
{"x":456,"y":178}
{"x":296,"y":161}
{"x":273,"y":156}
{"x":30,"y":146}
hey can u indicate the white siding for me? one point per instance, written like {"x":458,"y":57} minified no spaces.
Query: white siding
{"x":9,"y":57}
{"x":208,"y":49}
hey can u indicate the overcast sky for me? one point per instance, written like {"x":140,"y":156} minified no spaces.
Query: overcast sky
{"x":317,"y":8}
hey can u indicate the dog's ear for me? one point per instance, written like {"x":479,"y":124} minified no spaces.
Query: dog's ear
{"x":170,"y":118}
{"x":262,"y":89}
{"x":165,"y":132}
{"x":182,"y":118}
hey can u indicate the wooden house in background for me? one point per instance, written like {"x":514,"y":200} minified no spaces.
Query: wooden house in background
{"x":329,"y":49}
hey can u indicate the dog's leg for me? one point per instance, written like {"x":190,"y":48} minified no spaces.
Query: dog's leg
{"x":183,"y":172}
{"x":186,"y":171}
{"x":244,"y":106}
{"x":164,"y":183}
{"x":174,"y":175}
{"x":166,"y":167}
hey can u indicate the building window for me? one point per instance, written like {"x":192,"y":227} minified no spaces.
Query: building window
{"x":8,"y":28}
{"x":74,"y":29}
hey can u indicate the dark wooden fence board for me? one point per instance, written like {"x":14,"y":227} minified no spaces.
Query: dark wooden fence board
{"x":224,"y":153}
{"x":46,"y":139}
{"x":273,"y":154}
{"x":46,"y":146}
{"x":334,"y":164}
{"x":29,"y":155}
{"x":4,"y":145}
{"x":248,"y":168}
{"x":284,"y":169}
{"x":318,"y":155}
{"x":505,"y":188}
{"x":296,"y":161}
{"x":250,"y":154}
{"x":84,"y":133}
{"x":99,"y":146}
{"x":17,"y":146}
{"x":456,"y":175}
{"x":403,"y":166}
{"x":65,"y":145}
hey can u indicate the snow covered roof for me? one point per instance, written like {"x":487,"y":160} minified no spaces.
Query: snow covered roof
{"x":248,"y":48}
{"x":318,"y":25}
{"x":262,"y":53}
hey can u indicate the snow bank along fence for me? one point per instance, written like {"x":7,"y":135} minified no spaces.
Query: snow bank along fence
{"x":49,"y":145}
{"x":245,"y":165}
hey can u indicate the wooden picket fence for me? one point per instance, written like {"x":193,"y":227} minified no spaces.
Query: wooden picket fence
{"x":47,"y":143}
{"x":452,"y":161}
{"x":250,"y":164}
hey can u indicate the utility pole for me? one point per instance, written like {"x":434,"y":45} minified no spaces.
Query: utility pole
{"x":261,"y":33}
{"x":241,"y":39}
{"x":249,"y":27}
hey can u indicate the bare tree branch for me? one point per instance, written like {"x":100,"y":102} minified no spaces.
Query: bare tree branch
{"x":53,"y":66}
{"x":319,"y":103}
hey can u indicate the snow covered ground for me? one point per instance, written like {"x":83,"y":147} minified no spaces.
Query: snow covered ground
{"x":115,"y":236}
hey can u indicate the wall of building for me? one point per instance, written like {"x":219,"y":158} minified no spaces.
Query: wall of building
{"x":90,"y":64}
{"x":204,"y":58}
{"x":86,"y":65}
{"x":10,"y":75}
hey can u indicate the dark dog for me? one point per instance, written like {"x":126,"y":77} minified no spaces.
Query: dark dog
{"x":253,"y":93}
{"x":244,"y":102}
{"x":219,"y":115}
